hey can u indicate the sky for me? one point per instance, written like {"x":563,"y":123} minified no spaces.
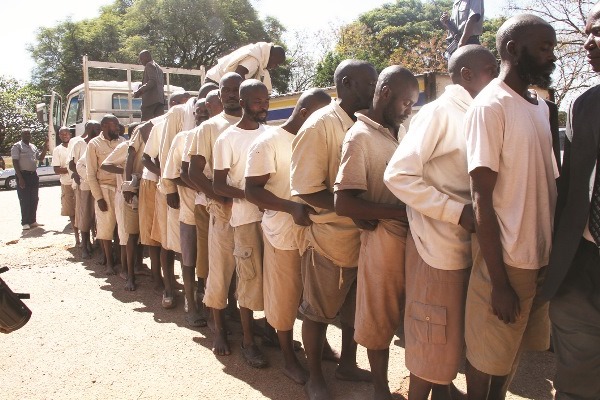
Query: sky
{"x":24,"y":17}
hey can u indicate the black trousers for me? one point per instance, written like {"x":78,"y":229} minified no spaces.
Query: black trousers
{"x":575,"y":316}
{"x":28,"y":197}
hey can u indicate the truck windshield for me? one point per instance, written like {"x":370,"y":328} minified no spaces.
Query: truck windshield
{"x":74,"y":112}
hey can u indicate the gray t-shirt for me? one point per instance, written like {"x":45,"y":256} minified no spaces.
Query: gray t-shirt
{"x":463,"y":9}
{"x":27,"y":154}
{"x":154,"y":81}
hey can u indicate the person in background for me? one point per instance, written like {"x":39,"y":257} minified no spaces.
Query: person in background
{"x":60,"y":162}
{"x":25,"y":156}
{"x":152,"y":89}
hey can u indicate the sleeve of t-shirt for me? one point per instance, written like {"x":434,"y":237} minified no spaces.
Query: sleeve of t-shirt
{"x":15,"y":152}
{"x":309,"y":160}
{"x":484,"y":131}
{"x":353,"y":168}
{"x":251,"y":64}
{"x":153,"y":143}
{"x":118,"y":156}
{"x":261,"y":159}
{"x":222,"y":154}
{"x":172,"y":168}
{"x":187,"y":145}
{"x":56,"y":157}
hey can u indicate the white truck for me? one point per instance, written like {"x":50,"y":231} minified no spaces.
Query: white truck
{"x":93,"y":99}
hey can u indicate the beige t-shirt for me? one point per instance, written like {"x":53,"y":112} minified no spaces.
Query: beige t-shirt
{"x":204,"y":137}
{"x":60,"y":158}
{"x":429,"y":174}
{"x":367,"y":148}
{"x":174,"y":122}
{"x":316,"y":155}
{"x":118,"y":158}
{"x":271,"y":154}
{"x":80,"y":166}
{"x":511,"y":136}
{"x":97,"y":150}
{"x":151,"y":148}
{"x":136,"y":142}
{"x":172,"y":170}
{"x":231,"y":152}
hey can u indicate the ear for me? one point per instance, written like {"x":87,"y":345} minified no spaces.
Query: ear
{"x":303,"y":113}
{"x":466,"y":74}
{"x":511,"y":49}
{"x":346,"y":81}
{"x":242,"y":103}
{"x":386,"y":92}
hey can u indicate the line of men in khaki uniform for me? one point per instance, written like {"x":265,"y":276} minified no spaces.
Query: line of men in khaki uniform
{"x":341,"y":212}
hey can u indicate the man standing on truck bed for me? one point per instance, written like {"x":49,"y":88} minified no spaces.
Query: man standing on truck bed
{"x":152,"y":89}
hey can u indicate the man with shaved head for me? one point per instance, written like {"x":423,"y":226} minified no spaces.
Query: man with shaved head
{"x":268,"y":186}
{"x":60,"y":162}
{"x":428,"y":172}
{"x":152,"y":88}
{"x":84,"y":202}
{"x":213,"y":103}
{"x":361,"y":194}
{"x":513,"y":171}
{"x":230,"y":154}
{"x":329,"y":247}
{"x":103,"y":184}
{"x":221,"y":263}
{"x":573,"y":280}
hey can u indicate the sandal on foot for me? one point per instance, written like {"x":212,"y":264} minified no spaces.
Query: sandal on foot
{"x":167,"y":301}
{"x":254,"y":357}
{"x":195,"y":321}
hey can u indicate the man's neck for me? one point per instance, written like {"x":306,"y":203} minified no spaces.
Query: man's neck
{"x":248,"y":124}
{"x":511,"y":78}
{"x":350,"y":109}
{"x":233,"y":113}
{"x":65,"y":144}
{"x":292,"y":126}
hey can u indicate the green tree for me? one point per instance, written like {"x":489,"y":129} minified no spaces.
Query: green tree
{"x":178,"y":33}
{"x":17,"y":111}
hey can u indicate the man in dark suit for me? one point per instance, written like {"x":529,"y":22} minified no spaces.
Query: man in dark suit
{"x":573,"y":280}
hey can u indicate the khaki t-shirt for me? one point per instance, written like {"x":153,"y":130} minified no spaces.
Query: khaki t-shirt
{"x":511,"y":136}
{"x":271,"y":153}
{"x":316,"y":154}
{"x":60,"y":158}
{"x":97,"y":150}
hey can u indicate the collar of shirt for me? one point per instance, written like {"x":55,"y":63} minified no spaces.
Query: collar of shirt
{"x":102,"y":137}
{"x":344,"y":118}
{"x":362,"y":117}
{"x":458,"y":95}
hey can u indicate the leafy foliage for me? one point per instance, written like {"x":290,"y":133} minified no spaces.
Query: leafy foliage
{"x":17,"y":111}
{"x":178,"y":33}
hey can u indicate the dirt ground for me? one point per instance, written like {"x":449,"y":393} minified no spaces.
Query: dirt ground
{"x":88,"y":338}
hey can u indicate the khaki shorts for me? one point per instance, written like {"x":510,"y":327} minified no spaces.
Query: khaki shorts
{"x":282,"y":286}
{"x":221,"y":263}
{"x":159,"y":220}
{"x":67,"y":201}
{"x":131,"y":218}
{"x":380,"y":284}
{"x":492,"y":345}
{"x":248,"y":253}
{"x":188,"y":244}
{"x":202,"y":219}
{"x":328,"y":289}
{"x":147,"y":201}
{"x":434,"y":320}
{"x":106,"y":220}
{"x":120,"y":215}
{"x":173,"y":230}
{"x":85,"y":214}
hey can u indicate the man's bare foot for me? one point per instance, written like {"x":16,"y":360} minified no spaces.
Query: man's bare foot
{"x":221,"y":345}
{"x":159,"y":287}
{"x":130,"y":285}
{"x":143,"y":270}
{"x":109,"y":270}
{"x":316,"y":389}
{"x":85,"y":253}
{"x":330,"y":354}
{"x":353,"y":373}
{"x":123,"y":275}
{"x":103,"y":260}
{"x":296,"y":373}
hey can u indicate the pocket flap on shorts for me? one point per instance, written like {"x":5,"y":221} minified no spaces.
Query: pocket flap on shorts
{"x":243,"y":252}
{"x":428,"y":313}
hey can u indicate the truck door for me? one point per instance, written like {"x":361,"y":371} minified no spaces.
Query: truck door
{"x":74,"y":115}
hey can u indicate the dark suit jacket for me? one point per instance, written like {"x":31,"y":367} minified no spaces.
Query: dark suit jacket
{"x":573,"y":205}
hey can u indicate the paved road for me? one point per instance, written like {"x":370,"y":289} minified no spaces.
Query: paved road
{"x":88,"y":338}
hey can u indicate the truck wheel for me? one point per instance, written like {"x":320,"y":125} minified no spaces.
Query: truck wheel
{"x":11,"y":183}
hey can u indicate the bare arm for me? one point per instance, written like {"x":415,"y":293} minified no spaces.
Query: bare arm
{"x":322,"y":199}
{"x":221,"y":187}
{"x":61,"y":170}
{"x":44,"y":150}
{"x":505,"y":302}
{"x":348,"y":204}
{"x":266,"y":200}
{"x":185,"y":175}
{"x":469,"y":29}
{"x":152,"y":165}
{"x":241,"y":71}
{"x":113,"y":169}
{"x":196,"y":174}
